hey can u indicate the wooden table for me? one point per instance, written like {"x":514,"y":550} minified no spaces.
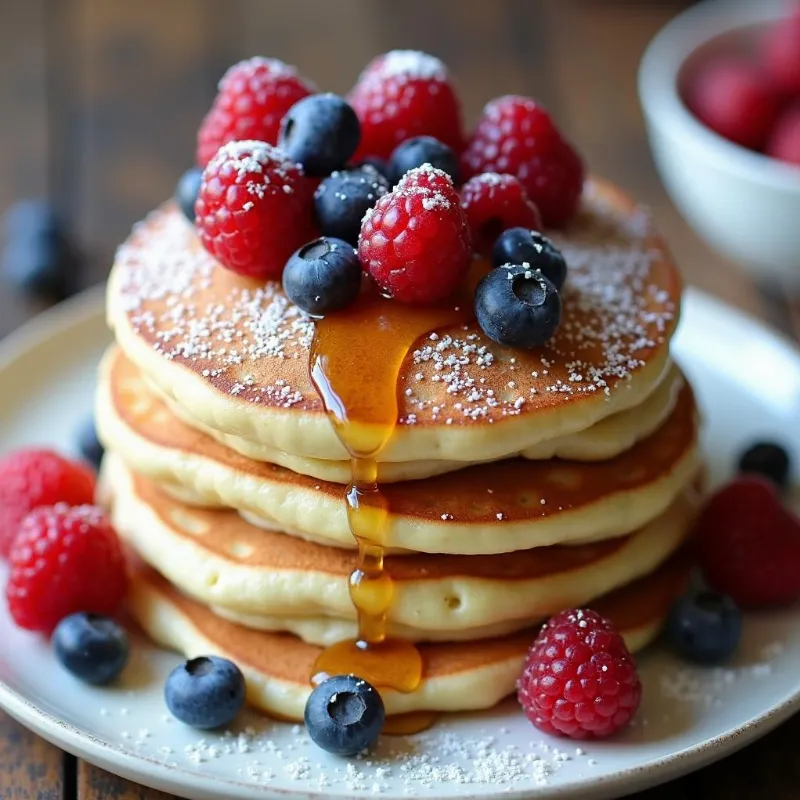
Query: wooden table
{"x":100,"y":105}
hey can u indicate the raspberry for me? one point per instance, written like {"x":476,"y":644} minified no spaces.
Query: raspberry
{"x":749,"y":544}
{"x":64,"y":559}
{"x":402,"y":94}
{"x":784,"y":140}
{"x":33,"y":478}
{"x":516,"y":135}
{"x":579,"y":679}
{"x":254,"y":209}
{"x":494,"y":203}
{"x":733,"y":99}
{"x":415,"y":241}
{"x":780,"y":54}
{"x":253,"y":97}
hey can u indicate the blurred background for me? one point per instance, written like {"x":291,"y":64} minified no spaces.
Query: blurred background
{"x":101,"y":100}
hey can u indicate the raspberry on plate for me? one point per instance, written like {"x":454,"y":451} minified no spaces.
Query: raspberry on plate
{"x":401,"y":94}
{"x":37,"y":477}
{"x":784,"y":139}
{"x":415,"y":242}
{"x":516,"y":135}
{"x":254,"y":208}
{"x":733,"y":99}
{"x":579,"y":679}
{"x":64,"y":559}
{"x":494,"y":203}
{"x":749,"y":545}
{"x":780,"y":54}
{"x":253,"y":97}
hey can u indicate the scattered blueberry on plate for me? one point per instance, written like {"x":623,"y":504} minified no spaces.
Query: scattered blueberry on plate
{"x":523,"y":246}
{"x":769,"y":460}
{"x":205,"y":692}
{"x":186,"y":191}
{"x":419,"y":150}
{"x":705,"y":627}
{"x":344,"y":715}
{"x":92,"y":647}
{"x":89,"y":445}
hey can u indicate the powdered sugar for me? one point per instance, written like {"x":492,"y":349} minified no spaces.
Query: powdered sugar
{"x":408,"y":64}
{"x":274,"y":67}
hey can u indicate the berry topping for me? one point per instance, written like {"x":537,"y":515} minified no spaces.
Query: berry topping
{"x":415,"y":242}
{"x":781,"y":54}
{"x":342,"y":199}
{"x":323,"y":276}
{"x":784,"y":140}
{"x":320,"y":133}
{"x":186,"y":191}
{"x":253,"y":98}
{"x":516,"y":135}
{"x":705,"y":627}
{"x":422,"y":150}
{"x":524,"y":246}
{"x":769,"y":460}
{"x":344,"y":715}
{"x":253,"y":209}
{"x":494,"y":203}
{"x":89,"y":445}
{"x":91,"y":647}
{"x":749,"y":545}
{"x":517,"y":306}
{"x":402,"y":94}
{"x":33,"y":478}
{"x":579,"y":679}
{"x":64,"y":559}
{"x":205,"y":692}
{"x":734,"y":100}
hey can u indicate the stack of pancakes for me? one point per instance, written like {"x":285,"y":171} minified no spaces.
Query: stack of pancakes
{"x":519,"y":483}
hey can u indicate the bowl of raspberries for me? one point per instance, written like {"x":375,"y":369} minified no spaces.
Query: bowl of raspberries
{"x":720,"y":89}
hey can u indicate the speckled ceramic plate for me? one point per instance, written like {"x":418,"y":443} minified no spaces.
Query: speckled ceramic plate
{"x":748,"y":382}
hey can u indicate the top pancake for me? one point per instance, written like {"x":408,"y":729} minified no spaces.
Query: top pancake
{"x":234,"y":354}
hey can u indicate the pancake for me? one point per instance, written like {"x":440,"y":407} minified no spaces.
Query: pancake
{"x":461,"y":676}
{"x":218,"y":558}
{"x":233,"y":354}
{"x":491,"y":508}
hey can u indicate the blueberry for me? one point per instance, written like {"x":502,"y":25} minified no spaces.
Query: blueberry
{"x":372,"y":161}
{"x":705,"y":627}
{"x":521,"y":246}
{"x":517,"y":306}
{"x":89,"y":445}
{"x":41,"y":264}
{"x":422,"y":150}
{"x":31,"y":217}
{"x":342,"y":199}
{"x":769,"y":460}
{"x":344,"y":715}
{"x":186,"y":191}
{"x":205,"y":692}
{"x":321,"y":132}
{"x":322,"y":276}
{"x":92,"y":647}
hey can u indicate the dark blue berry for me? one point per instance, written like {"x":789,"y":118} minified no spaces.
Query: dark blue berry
{"x":372,"y":161}
{"x":186,"y":191}
{"x":522,"y":246}
{"x":769,"y":460}
{"x":342,"y":199}
{"x":205,"y":692}
{"x":320,"y":132}
{"x":423,"y":150}
{"x":322,"y":276}
{"x":89,"y":445}
{"x":31,"y":217}
{"x":705,"y":627}
{"x":91,"y":647}
{"x":344,"y":715}
{"x":517,"y":306}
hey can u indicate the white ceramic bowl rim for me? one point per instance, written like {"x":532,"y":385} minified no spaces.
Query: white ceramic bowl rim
{"x":659,"y":74}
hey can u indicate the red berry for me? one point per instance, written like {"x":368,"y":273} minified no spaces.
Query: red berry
{"x":64,"y":559}
{"x":253,"y":97}
{"x":749,"y":544}
{"x":516,"y":135}
{"x":33,"y":478}
{"x":415,"y":241}
{"x":402,"y":94}
{"x":780,"y":55}
{"x":579,"y":679}
{"x":784,"y":140}
{"x":494,"y":203}
{"x":734,"y":100}
{"x":254,"y":209}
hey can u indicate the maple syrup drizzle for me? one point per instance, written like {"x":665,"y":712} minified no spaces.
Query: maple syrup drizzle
{"x":356,"y":355}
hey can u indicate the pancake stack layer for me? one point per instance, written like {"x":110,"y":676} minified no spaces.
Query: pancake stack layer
{"x":518,"y":483}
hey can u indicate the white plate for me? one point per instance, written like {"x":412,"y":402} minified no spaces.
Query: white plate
{"x":748,"y":382}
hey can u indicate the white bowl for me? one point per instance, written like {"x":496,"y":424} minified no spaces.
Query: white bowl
{"x":746,"y":205}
